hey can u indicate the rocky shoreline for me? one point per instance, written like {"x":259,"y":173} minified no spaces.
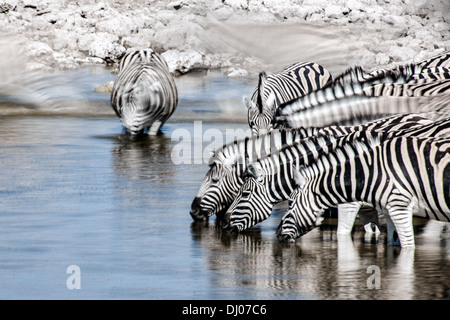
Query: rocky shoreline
{"x":66,"y":35}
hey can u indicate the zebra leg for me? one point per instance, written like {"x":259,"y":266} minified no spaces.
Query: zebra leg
{"x":346,"y":216}
{"x":154,"y":128}
{"x":402,"y":220}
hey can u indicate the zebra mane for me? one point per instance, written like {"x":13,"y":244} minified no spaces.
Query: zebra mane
{"x":354,"y":74}
{"x":260,"y":97}
{"x":229,"y":154}
{"x":255,"y":146}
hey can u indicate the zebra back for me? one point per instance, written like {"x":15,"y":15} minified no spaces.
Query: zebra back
{"x":359,"y":108}
{"x":341,"y":92}
{"x":442,"y":60}
{"x":413,"y":88}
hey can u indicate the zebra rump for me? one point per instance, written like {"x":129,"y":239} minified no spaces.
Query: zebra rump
{"x":402,"y":177}
{"x":144,"y":94}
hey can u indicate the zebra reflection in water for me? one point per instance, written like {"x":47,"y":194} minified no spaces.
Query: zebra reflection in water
{"x":323,"y":265}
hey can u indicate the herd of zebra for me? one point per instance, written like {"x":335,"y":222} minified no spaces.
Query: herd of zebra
{"x":364,"y":143}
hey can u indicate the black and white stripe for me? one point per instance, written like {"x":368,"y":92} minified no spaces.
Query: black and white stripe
{"x":294,"y":81}
{"x":402,"y":177}
{"x":144,"y":95}
{"x":228,"y":165}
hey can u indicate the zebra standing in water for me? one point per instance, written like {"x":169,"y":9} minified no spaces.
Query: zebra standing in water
{"x":144,"y":94}
{"x":401,"y":177}
{"x":292,"y":82}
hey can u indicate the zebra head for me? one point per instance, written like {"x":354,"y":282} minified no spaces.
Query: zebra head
{"x":260,"y":108}
{"x":251,"y":205}
{"x":218,"y":189}
{"x":302,"y":215}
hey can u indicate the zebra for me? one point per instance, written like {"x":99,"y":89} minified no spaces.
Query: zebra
{"x":144,"y":94}
{"x":270,"y":181}
{"x":401,"y":177}
{"x":294,"y":81}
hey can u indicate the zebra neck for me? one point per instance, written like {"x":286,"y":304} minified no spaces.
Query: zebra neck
{"x":342,"y":179}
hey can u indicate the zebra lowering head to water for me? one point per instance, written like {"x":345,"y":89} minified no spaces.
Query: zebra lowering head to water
{"x":401,"y":177}
{"x":270,"y":181}
{"x":144,"y":94}
{"x":227,"y":168}
{"x":294,"y":81}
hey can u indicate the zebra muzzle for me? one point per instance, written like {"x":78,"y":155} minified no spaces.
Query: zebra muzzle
{"x":196,"y":213}
{"x":225,"y":223}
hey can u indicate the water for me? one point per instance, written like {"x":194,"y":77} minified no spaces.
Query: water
{"x":73,"y":191}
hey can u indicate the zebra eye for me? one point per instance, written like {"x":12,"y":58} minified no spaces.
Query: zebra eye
{"x":215,"y":180}
{"x":246,"y":195}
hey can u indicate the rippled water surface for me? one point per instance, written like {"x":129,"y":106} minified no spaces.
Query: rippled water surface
{"x":74,"y":191}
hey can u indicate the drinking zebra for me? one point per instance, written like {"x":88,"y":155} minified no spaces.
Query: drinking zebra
{"x":401,"y":177}
{"x":292,"y":82}
{"x":270,"y":180}
{"x":144,"y":94}
{"x":332,"y":106}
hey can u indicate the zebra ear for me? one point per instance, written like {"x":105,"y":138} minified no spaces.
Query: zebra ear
{"x":252,"y":171}
{"x":248,"y":103}
{"x":299,"y":179}
{"x":270,"y":103}
{"x":261,"y":87}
